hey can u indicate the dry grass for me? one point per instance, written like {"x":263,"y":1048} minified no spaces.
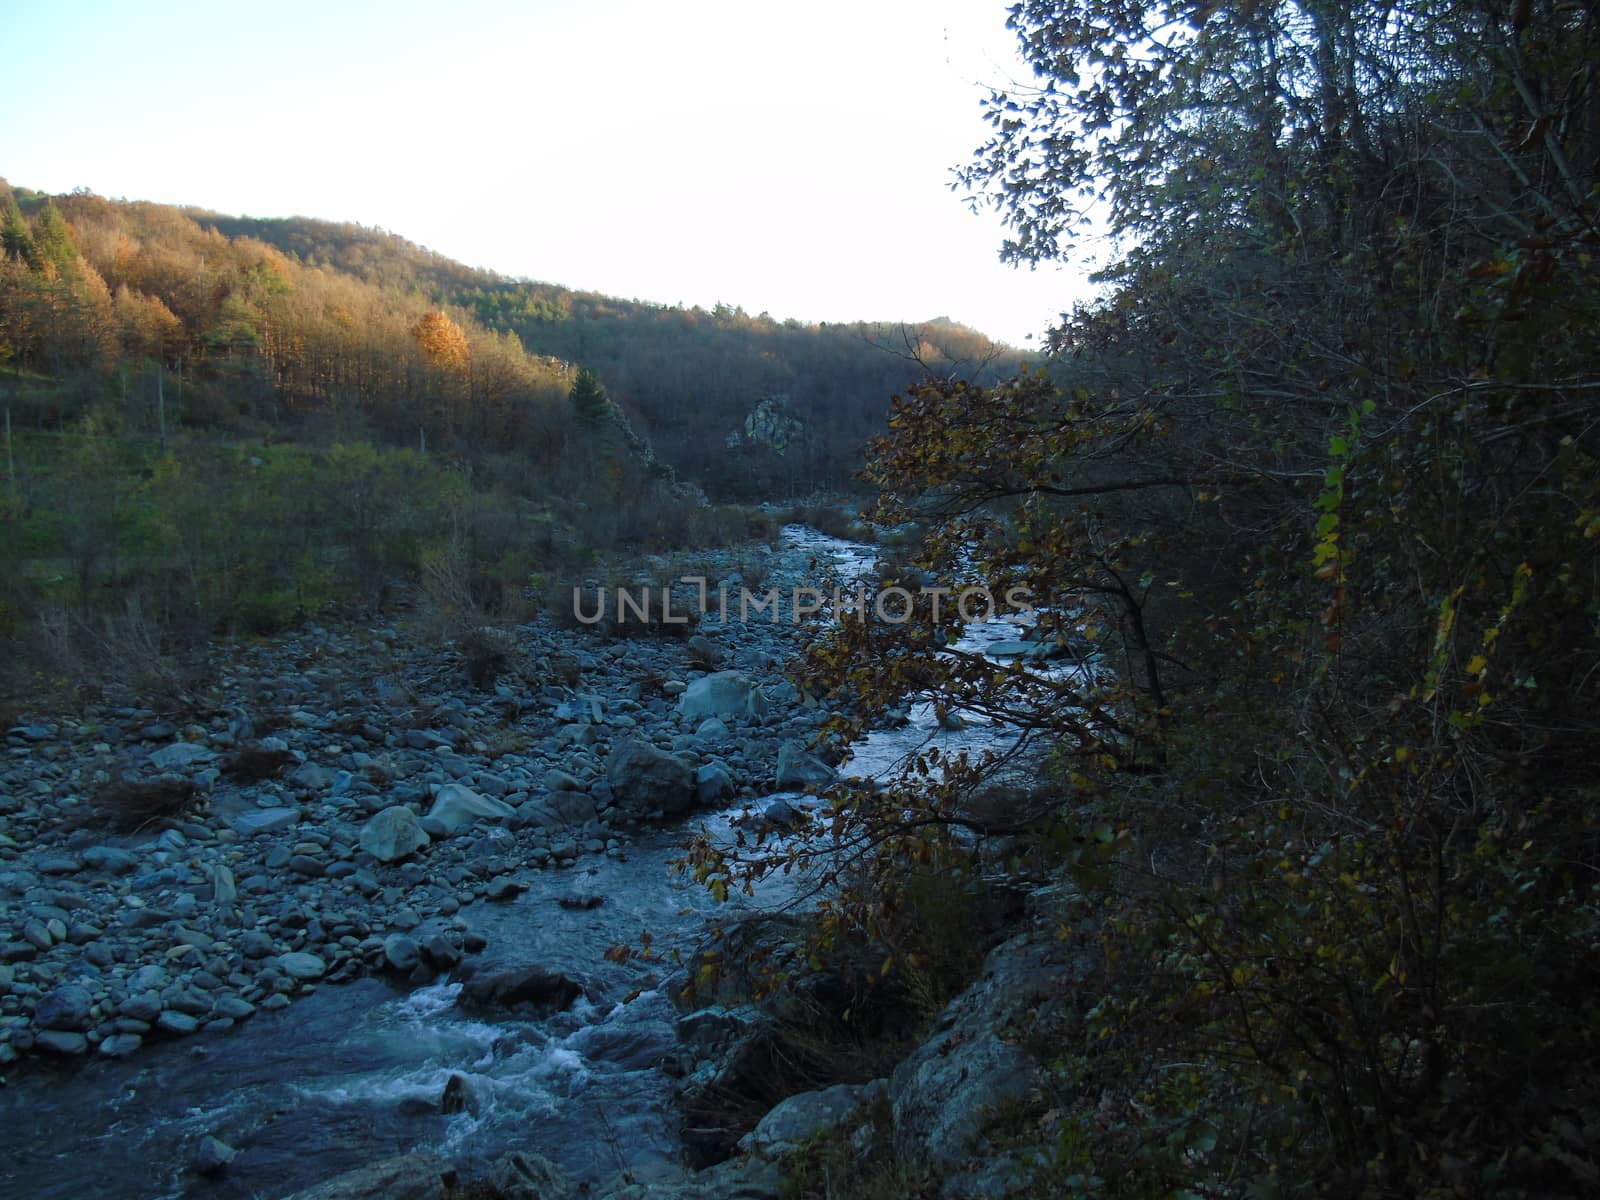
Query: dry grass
{"x":127,"y":804}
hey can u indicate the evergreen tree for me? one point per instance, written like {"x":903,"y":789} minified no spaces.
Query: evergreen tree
{"x":52,"y":240}
{"x":15,"y":239}
{"x":589,"y":399}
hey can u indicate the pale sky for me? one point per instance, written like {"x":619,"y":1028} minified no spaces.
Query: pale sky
{"x":793,"y":159}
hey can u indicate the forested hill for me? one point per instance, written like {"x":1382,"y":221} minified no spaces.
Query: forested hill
{"x":692,"y":378}
{"x":280,"y":322}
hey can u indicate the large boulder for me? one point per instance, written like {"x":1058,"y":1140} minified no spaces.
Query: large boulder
{"x":393,"y":834}
{"x":525,"y":989}
{"x":456,"y":805}
{"x":802,"y":1117}
{"x":724,"y":694}
{"x":645,"y":780}
{"x":944,"y":1094}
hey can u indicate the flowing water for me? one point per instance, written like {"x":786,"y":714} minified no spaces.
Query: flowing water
{"x":353,"y":1073}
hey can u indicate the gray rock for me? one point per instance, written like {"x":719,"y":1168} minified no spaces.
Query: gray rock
{"x":144,"y":1007}
{"x":65,"y":1008}
{"x":713,"y":785}
{"x":148,"y":978}
{"x":942,"y":1095}
{"x":724,"y":694}
{"x":264,"y":820}
{"x":253,"y":943}
{"x":401,"y":953}
{"x":110,"y":859}
{"x":300,"y":965}
{"x":703,"y":650}
{"x":504,"y":888}
{"x":176,"y":1023}
{"x":57,"y":864}
{"x":441,"y":953}
{"x":801,"y":770}
{"x":712,"y":729}
{"x":393,"y":834}
{"x":803,"y":1116}
{"x":559,"y":810}
{"x":180,"y":755}
{"x":60,"y":1041}
{"x":120,"y":1045}
{"x":234,"y":1008}
{"x":456,"y":805}
{"x":646,"y":780}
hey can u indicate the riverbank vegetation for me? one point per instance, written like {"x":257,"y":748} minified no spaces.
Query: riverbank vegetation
{"x":1315,"y":489}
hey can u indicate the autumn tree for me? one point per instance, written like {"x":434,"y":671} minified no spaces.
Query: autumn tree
{"x":442,"y":341}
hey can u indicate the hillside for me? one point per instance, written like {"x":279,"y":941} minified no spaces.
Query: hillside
{"x":683,"y":373}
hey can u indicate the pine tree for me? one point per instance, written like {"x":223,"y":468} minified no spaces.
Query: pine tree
{"x":589,"y":399}
{"x":53,"y":246}
{"x":15,"y":239}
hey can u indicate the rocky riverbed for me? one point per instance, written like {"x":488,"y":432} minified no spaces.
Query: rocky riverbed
{"x":357,"y":812}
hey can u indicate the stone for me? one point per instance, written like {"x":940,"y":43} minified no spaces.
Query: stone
{"x":110,"y":859}
{"x":401,"y":953}
{"x":304,"y":864}
{"x":504,"y":888}
{"x":303,"y":966}
{"x":941,"y":1095}
{"x":67,"y":1008}
{"x":120,"y":1045}
{"x":559,"y":809}
{"x":440,"y":952}
{"x":723,"y":694}
{"x":647,"y":780}
{"x":213,"y":1156}
{"x":144,"y":1007}
{"x":60,"y":1041}
{"x":456,"y":805}
{"x":712,"y":729}
{"x":713,"y":785}
{"x":703,"y":650}
{"x":531,"y":988}
{"x":180,"y":755}
{"x":459,"y":1096}
{"x":393,"y":834}
{"x":800,"y":770}
{"x":264,"y":820}
{"x":804,"y":1116}
{"x":254,"y":943}
{"x":176,"y":1023}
